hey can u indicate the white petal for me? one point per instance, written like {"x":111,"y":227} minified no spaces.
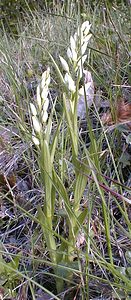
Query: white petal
{"x":86,"y":26}
{"x":82,"y":60}
{"x":44,"y":116}
{"x":84,"y":57}
{"x":70,"y":83}
{"x":33,"y":109}
{"x":69,"y":53}
{"x":74,"y":55}
{"x":81,"y":37}
{"x":86,"y":31}
{"x":35,"y":140}
{"x":87,"y":37}
{"x":83,"y":48}
{"x":44,"y":93}
{"x":45,"y":104}
{"x":45,"y":78}
{"x":80,"y":71}
{"x":38,"y":97}
{"x":64,"y":64}
{"x":48,"y":81}
{"x":36,"y":124}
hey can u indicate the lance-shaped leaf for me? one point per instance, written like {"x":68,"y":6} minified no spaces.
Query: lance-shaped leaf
{"x":79,"y":189}
{"x":80,"y":220}
{"x":62,"y":192}
{"x":46,"y":173}
{"x":48,"y":234}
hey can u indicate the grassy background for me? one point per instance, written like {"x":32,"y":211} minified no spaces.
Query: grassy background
{"x":25,"y":45}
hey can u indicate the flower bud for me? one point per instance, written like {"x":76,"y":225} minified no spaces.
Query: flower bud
{"x":84,"y":47}
{"x":35,"y":140}
{"x":82,"y":60}
{"x":86,"y":38}
{"x":45,"y":104}
{"x":70,"y":83}
{"x":74,"y":55}
{"x":69,"y":53}
{"x":44,"y":93}
{"x":86,"y":31}
{"x":33,"y":109}
{"x":45,"y":78}
{"x":38,"y":97}
{"x":64,"y":64}
{"x":36,"y":124}
{"x":85,"y":27}
{"x":44,"y":116}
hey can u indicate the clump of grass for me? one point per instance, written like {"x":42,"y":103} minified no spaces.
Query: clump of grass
{"x":78,"y":224}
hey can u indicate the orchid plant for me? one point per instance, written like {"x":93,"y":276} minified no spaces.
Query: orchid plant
{"x":62,"y":255}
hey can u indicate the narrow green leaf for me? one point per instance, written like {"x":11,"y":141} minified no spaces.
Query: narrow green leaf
{"x":79,"y":190}
{"x":54,"y":142}
{"x":48,"y":234}
{"x":46,"y":170}
{"x":70,"y":126}
{"x":60,"y":252}
{"x":62,"y":191}
{"x":80,"y":220}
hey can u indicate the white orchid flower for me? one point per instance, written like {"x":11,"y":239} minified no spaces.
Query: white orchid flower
{"x":82,"y":60}
{"x":74,"y":55}
{"x":45,"y":104}
{"x":69,"y":53}
{"x":44,"y":93}
{"x":45,"y":78}
{"x":86,"y":38}
{"x":80,"y":65}
{"x":36,"y":124}
{"x":84,"y":47}
{"x":33,"y":109}
{"x":38,"y":97}
{"x":70,"y":83}
{"x":85,"y":27}
{"x":35,"y":140}
{"x":86,"y":31}
{"x":44,"y":116}
{"x":64,"y":64}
